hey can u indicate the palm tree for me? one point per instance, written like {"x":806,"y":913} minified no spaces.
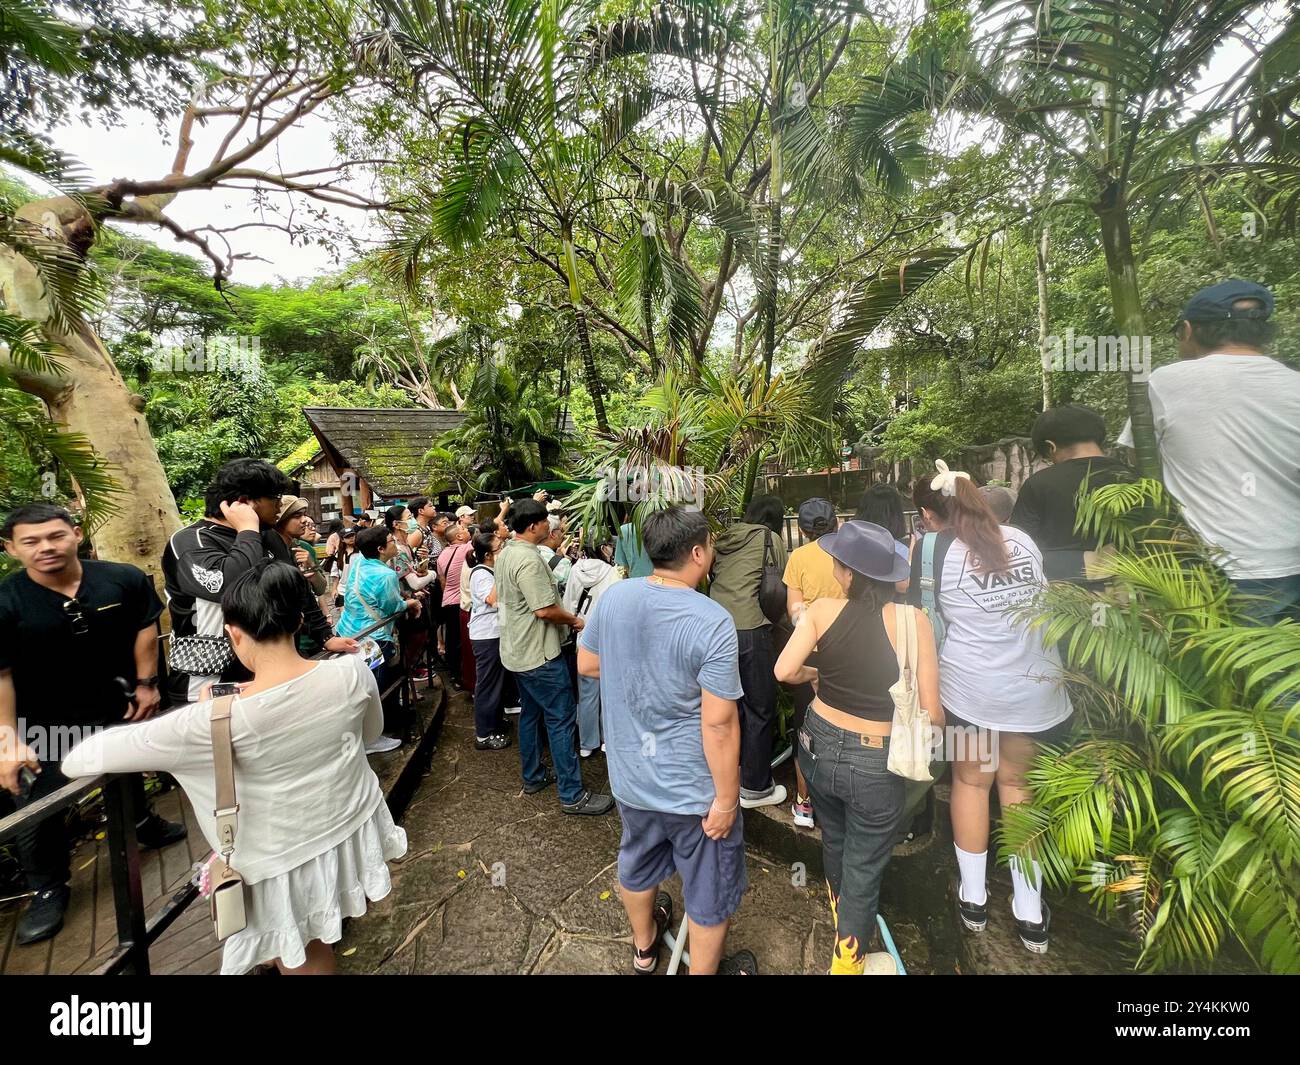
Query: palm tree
{"x":1115,"y":92}
{"x":1177,"y":807}
{"x":526,"y":138}
{"x":508,"y":437}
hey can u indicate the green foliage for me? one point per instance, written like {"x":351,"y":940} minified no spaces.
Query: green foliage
{"x":1177,"y":807}
{"x":958,"y":409}
{"x":508,"y":438}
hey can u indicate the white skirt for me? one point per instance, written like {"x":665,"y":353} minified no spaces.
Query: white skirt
{"x":288,"y":911}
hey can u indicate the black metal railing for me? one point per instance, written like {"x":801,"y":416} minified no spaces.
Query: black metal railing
{"x":136,"y":933}
{"x":794,"y":536}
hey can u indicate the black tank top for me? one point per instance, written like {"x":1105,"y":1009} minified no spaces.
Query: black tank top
{"x":857,"y":664}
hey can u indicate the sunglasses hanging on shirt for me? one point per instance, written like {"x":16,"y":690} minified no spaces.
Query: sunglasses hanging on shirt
{"x":76,"y":617}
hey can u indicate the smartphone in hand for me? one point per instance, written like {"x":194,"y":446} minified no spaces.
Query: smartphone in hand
{"x":26,"y":781}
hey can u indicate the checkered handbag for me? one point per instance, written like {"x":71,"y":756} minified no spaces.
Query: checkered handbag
{"x":200,"y":656}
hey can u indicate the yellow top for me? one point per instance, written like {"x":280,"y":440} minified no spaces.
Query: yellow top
{"x":810,"y":571}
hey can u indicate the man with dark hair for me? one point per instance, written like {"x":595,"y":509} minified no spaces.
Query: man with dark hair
{"x":1070,"y":437}
{"x":744,"y":551}
{"x":242,"y":506}
{"x":673,"y":741}
{"x":532,"y":633}
{"x":1227,"y":421}
{"x":78,"y":652}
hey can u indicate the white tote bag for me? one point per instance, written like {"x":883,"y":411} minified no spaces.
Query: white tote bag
{"x":909,"y":738}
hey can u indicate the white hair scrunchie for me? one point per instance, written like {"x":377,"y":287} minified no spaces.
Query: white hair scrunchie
{"x":945,"y":481}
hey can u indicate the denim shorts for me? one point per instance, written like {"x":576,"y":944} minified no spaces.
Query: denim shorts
{"x":713,"y":870}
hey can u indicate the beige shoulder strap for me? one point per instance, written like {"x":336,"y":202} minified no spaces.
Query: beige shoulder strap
{"x":905,"y":641}
{"x":223,"y":762}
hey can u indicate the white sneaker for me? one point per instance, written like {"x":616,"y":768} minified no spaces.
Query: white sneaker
{"x":880,"y":963}
{"x":513,"y":709}
{"x":383,"y":745}
{"x":585,"y":752}
{"x":773,"y":798}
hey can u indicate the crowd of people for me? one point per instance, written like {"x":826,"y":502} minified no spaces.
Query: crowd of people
{"x":664,"y":650}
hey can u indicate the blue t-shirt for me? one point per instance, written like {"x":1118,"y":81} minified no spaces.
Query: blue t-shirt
{"x":659,"y":646}
{"x":630,"y":553}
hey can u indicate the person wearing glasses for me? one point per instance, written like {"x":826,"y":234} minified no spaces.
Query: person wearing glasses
{"x":78,"y":652}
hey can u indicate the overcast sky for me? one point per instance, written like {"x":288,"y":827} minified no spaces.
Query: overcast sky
{"x":138,"y":149}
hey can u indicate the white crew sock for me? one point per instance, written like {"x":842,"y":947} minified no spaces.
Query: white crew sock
{"x":1027,"y":900}
{"x":972,"y":868}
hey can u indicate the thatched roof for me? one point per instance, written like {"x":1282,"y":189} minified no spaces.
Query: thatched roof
{"x":384,"y":445}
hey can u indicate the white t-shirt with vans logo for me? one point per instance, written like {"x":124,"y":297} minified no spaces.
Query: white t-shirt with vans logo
{"x":994,"y":670}
{"x":1228,"y":427}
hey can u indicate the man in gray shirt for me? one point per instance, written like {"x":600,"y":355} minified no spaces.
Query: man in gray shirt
{"x":667,"y":661}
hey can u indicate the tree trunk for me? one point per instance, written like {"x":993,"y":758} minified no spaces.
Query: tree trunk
{"x":774,"y":182}
{"x":1126,"y":302}
{"x":589,"y":368}
{"x":91,"y":398}
{"x":584,"y":336}
{"x":1040,"y":259}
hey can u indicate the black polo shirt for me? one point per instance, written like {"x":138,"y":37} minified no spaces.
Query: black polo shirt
{"x":64,"y":678}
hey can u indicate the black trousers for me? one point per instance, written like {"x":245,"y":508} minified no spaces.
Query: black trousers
{"x":757,"y":707}
{"x":43,"y":850}
{"x":450,"y":618}
{"x":489,"y":688}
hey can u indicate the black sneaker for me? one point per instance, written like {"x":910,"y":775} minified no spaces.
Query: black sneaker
{"x":44,"y":917}
{"x":1034,"y":936}
{"x":496,"y":742}
{"x":742,"y":963}
{"x":973,"y":916}
{"x":589,"y":804}
{"x":154,"y":832}
{"x":548,"y":778}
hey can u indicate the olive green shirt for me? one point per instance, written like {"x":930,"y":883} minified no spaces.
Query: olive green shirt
{"x":738,"y":569}
{"x":524,"y":585}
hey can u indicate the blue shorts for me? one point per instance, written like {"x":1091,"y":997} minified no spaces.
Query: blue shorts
{"x":654,"y":845}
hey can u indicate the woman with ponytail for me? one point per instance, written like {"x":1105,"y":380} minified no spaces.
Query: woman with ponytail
{"x":314,"y":831}
{"x":999,"y":682}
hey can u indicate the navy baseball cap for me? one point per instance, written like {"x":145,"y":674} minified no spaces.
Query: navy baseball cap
{"x":817,"y":516}
{"x":1214,"y":304}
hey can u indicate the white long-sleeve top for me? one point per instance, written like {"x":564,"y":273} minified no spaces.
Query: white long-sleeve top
{"x":301,"y":777}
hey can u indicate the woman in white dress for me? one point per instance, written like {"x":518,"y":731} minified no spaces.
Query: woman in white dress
{"x":314,"y":831}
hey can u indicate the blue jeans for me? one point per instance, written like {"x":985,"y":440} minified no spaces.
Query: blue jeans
{"x":547,"y":699}
{"x":1280,"y":598}
{"x":588,"y":712}
{"x":859,"y":805}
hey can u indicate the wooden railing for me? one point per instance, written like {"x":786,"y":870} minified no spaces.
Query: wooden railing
{"x":136,"y":933}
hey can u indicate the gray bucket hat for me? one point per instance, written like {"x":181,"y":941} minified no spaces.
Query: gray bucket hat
{"x":867,"y":549}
